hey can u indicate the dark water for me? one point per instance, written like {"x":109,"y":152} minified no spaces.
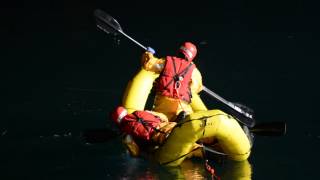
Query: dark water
{"x":64,"y":76}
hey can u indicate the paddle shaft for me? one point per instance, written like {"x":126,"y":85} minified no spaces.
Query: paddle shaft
{"x":133,"y":40}
{"x":228,"y":103}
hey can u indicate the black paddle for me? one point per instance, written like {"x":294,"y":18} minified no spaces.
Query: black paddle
{"x":270,"y":129}
{"x":109,"y":25}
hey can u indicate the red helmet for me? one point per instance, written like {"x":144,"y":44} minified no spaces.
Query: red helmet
{"x":189,"y":50}
{"x":118,"y":114}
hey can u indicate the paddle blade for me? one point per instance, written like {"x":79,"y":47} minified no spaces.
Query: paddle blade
{"x":270,"y":129}
{"x":106,"y":23}
{"x":98,"y":135}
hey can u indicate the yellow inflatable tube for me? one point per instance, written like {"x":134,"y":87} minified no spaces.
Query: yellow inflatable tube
{"x":213,"y":123}
{"x":138,"y":89}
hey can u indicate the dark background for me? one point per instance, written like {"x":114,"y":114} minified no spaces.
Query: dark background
{"x":64,"y":75}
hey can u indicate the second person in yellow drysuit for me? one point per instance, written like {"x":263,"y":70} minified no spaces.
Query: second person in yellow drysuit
{"x":178,"y":82}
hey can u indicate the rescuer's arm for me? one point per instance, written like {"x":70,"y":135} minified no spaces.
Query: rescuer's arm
{"x":152,"y":63}
{"x":196,"y":86}
{"x":196,"y":81}
{"x":164,"y":131}
{"x":131,"y":145}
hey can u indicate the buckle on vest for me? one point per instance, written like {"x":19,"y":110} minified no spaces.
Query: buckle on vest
{"x":177,"y":85}
{"x":178,"y":78}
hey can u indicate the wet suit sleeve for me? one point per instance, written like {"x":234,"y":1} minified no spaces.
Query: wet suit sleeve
{"x":131,"y":145}
{"x":196,"y":81}
{"x":152,"y":63}
{"x":196,"y":86}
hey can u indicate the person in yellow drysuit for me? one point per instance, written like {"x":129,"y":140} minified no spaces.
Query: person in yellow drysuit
{"x":147,"y":129}
{"x":142,"y":128}
{"x":178,"y":83}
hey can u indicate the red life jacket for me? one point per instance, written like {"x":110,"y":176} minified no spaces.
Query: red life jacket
{"x":175,"y":79}
{"x":140,"y":124}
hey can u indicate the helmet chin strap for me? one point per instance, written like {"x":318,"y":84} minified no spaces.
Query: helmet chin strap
{"x":182,"y":56}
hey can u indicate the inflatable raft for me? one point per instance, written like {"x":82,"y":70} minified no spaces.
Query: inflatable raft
{"x":202,"y":124}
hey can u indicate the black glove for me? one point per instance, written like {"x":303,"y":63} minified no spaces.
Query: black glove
{"x":181,"y":116}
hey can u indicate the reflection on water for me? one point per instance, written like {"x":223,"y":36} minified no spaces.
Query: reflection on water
{"x":137,"y":168}
{"x":188,"y":170}
{"x":237,"y":170}
{"x":229,"y":170}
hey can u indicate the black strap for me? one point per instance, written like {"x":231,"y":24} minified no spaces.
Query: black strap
{"x":174,"y":67}
{"x":184,"y":72}
{"x":202,"y":118}
{"x":180,"y":156}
